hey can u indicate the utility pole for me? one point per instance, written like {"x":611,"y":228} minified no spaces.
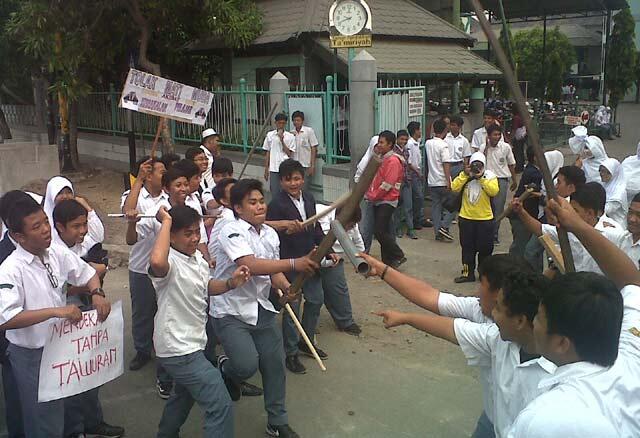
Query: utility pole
{"x":64,"y":149}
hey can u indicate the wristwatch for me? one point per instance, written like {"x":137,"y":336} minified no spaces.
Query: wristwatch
{"x":97,"y":291}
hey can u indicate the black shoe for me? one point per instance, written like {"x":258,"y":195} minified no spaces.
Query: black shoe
{"x":164,"y":389}
{"x":444,"y":232}
{"x":353,"y":330}
{"x":304,"y":349}
{"x":234,"y":389}
{"x":281,"y":431}
{"x":294,"y":365}
{"x":249,"y":390}
{"x":139,"y":361}
{"x":418,"y":227}
{"x":412,"y":235}
{"x":397,"y":263}
{"x":104,"y":430}
{"x":465,"y":279}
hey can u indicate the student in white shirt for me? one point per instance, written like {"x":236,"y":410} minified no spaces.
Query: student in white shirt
{"x":591,"y":152}
{"x":222,"y":168}
{"x":631,"y":168}
{"x":367,"y":222}
{"x":439,"y":180}
{"x":200,"y":159}
{"x":507,"y":346}
{"x":180,"y":276}
{"x":417,"y":177}
{"x":614,"y":182}
{"x":631,"y":246}
{"x":334,"y":283}
{"x":41,"y":270}
{"x":211,"y":149}
{"x":280,"y":145}
{"x":458,"y":145}
{"x":588,"y":200}
{"x":479,"y":139}
{"x":493,"y":272}
{"x":244,"y":318}
{"x":306,"y":146}
{"x":145,"y":196}
{"x":587,"y":325}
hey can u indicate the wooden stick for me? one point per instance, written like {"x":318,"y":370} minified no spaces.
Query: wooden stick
{"x":263,"y":130}
{"x":150,"y":216}
{"x":336,"y":204}
{"x":532,"y":130}
{"x":303,"y":334}
{"x":154,"y":146}
{"x":523,"y":197}
{"x":552,"y":250}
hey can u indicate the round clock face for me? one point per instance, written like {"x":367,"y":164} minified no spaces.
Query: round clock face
{"x":349,"y":17}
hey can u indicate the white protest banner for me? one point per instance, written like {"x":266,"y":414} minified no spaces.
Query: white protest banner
{"x":82,"y":356}
{"x":150,"y":94}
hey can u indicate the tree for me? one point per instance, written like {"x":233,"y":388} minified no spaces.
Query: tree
{"x":560,"y":55}
{"x":621,"y":57}
{"x":636,"y":72}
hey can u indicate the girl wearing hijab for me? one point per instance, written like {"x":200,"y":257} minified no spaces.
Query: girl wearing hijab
{"x":60,"y":188}
{"x":631,"y":169}
{"x":476,"y":219}
{"x":614,"y":182}
{"x":591,"y":151}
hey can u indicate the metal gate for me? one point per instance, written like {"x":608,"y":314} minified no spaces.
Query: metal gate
{"x":395,"y":107}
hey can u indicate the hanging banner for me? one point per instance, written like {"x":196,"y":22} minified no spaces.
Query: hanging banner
{"x":150,"y":94}
{"x":82,"y":356}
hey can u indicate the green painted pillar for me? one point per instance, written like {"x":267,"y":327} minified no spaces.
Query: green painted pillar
{"x":243,"y":115}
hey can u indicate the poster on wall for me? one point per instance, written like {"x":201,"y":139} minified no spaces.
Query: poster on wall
{"x":150,"y":94}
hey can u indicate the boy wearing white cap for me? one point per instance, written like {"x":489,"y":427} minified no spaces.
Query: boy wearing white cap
{"x":211,"y":149}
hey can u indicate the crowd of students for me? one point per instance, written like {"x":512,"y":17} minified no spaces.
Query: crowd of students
{"x":212,"y":264}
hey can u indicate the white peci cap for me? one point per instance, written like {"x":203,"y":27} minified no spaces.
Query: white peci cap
{"x":208,"y":133}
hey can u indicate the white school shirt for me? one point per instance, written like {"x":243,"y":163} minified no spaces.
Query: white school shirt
{"x":582,"y":260}
{"x":362,"y":164}
{"x":459,"y":147}
{"x":438,"y":153}
{"x":353,"y":233}
{"x":141,"y":250}
{"x":305,"y":140}
{"x":515,"y":384}
{"x":193,"y":202}
{"x":469,"y":308}
{"x":479,"y":139}
{"x":273,"y":145}
{"x":207,"y":175}
{"x":299,"y":204}
{"x":415,"y":156}
{"x":499,"y":159}
{"x":179,"y":323}
{"x":238,"y":238}
{"x":632,"y":249}
{"x":95,"y":235}
{"x":223,"y":219}
{"x":25,"y":285}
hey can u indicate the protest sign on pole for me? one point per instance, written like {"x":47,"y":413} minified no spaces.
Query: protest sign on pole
{"x":150,"y":94}
{"x":82,"y":356}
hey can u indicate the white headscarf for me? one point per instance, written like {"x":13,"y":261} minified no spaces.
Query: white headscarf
{"x":555,"y":160}
{"x":617,"y":187}
{"x":631,"y":168}
{"x":577,"y":142}
{"x":54,"y":187}
{"x":474,"y":188}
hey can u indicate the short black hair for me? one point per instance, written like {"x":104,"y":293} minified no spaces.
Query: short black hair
{"x":573,"y":175}
{"x":439,"y":126}
{"x":297,"y":114}
{"x":243,"y":188}
{"x":172,"y":174}
{"x":288,"y":167}
{"x":493,"y":128}
{"x":222,"y":165}
{"x":636,"y":198}
{"x":193,"y":152}
{"x":586,"y":308}
{"x":219,"y":189}
{"x":457,"y":120}
{"x":169,"y":159}
{"x":66,"y":211}
{"x":188,"y":167}
{"x":183,"y":216}
{"x":591,"y":196}
{"x":281,"y":116}
{"x":412,"y":127}
{"x":495,"y":268}
{"x":19,"y":210}
{"x":9,"y":199}
{"x":389,"y":136}
{"x":531,"y":154}
{"x":521,"y":293}
{"x":490,"y":112}
{"x":401,"y":133}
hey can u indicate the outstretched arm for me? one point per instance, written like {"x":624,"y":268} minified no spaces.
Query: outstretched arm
{"x":436,"y":325}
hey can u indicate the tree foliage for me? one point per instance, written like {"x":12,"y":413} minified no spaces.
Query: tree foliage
{"x":560,"y":55}
{"x":621,"y":57}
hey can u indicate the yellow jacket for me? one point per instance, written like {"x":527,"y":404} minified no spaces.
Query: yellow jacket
{"x":481,"y":210}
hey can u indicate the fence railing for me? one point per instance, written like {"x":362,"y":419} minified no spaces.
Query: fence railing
{"x":20,"y":114}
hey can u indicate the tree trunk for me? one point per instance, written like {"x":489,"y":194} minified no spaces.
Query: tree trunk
{"x":5,"y":132}
{"x":73,"y":133}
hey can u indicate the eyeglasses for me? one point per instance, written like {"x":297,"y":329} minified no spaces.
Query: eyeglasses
{"x":52,"y":277}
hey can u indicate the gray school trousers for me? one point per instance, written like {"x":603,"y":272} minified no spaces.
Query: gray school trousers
{"x":336,"y":295}
{"x":252,"y":347}
{"x":313,"y":301}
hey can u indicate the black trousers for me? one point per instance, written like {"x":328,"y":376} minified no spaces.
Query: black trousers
{"x":389,"y":249}
{"x":476,"y":237}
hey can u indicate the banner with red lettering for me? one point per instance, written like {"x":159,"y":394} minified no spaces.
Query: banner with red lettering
{"x":82,"y":356}
{"x":147,"y":93}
